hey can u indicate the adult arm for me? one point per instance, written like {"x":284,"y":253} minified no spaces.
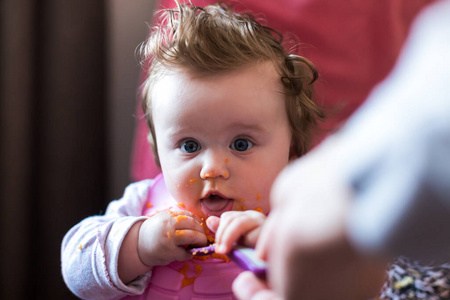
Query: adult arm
{"x":376,"y":189}
{"x":397,"y":160}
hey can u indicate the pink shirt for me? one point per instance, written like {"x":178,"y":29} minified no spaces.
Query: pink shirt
{"x":90,"y":255}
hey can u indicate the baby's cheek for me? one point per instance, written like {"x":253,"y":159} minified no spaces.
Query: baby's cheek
{"x":256,"y":202}
{"x":187,"y":193}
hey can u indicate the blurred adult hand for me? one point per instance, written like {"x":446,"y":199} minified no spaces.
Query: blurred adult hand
{"x":304,"y":238}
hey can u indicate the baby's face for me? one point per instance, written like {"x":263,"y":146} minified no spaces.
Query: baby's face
{"x":223,"y":139}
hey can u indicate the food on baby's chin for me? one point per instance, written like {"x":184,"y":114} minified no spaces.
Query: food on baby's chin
{"x":241,"y":208}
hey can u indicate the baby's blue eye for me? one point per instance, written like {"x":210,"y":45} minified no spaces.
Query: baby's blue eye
{"x":241,"y":145}
{"x":190,"y":146}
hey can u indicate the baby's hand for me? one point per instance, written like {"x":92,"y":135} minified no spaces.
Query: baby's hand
{"x":232,"y":226}
{"x":162,"y":237}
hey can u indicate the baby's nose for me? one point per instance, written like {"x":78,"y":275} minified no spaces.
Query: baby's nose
{"x":215,"y":165}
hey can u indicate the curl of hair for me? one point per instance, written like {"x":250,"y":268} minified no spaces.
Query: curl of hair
{"x":215,"y":40}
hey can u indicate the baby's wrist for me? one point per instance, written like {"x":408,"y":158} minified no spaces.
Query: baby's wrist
{"x":130,"y":265}
{"x":142,"y":249}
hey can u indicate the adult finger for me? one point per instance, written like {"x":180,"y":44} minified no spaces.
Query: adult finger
{"x":248,"y":287}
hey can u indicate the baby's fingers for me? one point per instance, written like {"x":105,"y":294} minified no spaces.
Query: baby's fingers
{"x":213,"y":223}
{"x":189,"y":237}
{"x":187,"y":220}
{"x":234,"y":225}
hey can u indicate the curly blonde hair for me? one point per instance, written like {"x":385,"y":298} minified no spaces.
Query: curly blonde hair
{"x":213,"y":40}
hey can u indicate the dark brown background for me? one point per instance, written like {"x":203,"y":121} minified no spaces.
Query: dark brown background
{"x":63,"y":156}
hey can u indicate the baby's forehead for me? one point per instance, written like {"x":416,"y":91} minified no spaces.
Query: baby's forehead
{"x":250,"y":94}
{"x":263,"y":69}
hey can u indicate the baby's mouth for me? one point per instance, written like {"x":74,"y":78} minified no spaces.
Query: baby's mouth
{"x":215,"y":205}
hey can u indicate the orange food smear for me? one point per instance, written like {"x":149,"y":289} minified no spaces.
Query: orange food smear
{"x":181,"y":205}
{"x":227,"y":160}
{"x":259,"y":209}
{"x":184,"y":269}
{"x":80,"y":247}
{"x":220,"y":256}
{"x":186,"y":280}
{"x":208,"y":175}
{"x":180,"y":217}
{"x":168,"y":234}
{"x":198,"y":269}
{"x":225,"y":174}
{"x":243,"y":207}
{"x":180,"y":232}
{"x":258,"y":196}
{"x":149,"y":205}
{"x":189,"y":280}
{"x":202,"y":258}
{"x":193,"y":180}
{"x":209,"y":235}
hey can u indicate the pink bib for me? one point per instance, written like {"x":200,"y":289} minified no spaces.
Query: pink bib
{"x":197,"y":278}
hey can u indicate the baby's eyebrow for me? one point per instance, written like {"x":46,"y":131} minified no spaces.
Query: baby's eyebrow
{"x":177,"y":130}
{"x":248,"y":126}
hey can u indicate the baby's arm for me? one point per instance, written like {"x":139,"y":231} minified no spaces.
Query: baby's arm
{"x":159,"y":240}
{"x":236,"y":226}
{"x":90,"y":250}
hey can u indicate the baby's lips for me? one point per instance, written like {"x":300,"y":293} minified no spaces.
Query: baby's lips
{"x":216,"y":206}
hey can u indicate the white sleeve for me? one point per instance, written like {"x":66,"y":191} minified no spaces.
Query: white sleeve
{"x":399,"y":162}
{"x":89,"y":251}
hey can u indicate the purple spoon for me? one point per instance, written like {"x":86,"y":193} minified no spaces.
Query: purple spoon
{"x":243,"y":256}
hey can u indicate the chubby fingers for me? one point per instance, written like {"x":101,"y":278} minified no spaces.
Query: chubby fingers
{"x":186,"y":229}
{"x":238,"y":224}
{"x":213,"y":223}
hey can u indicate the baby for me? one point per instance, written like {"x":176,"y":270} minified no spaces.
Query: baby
{"x":227,"y":108}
